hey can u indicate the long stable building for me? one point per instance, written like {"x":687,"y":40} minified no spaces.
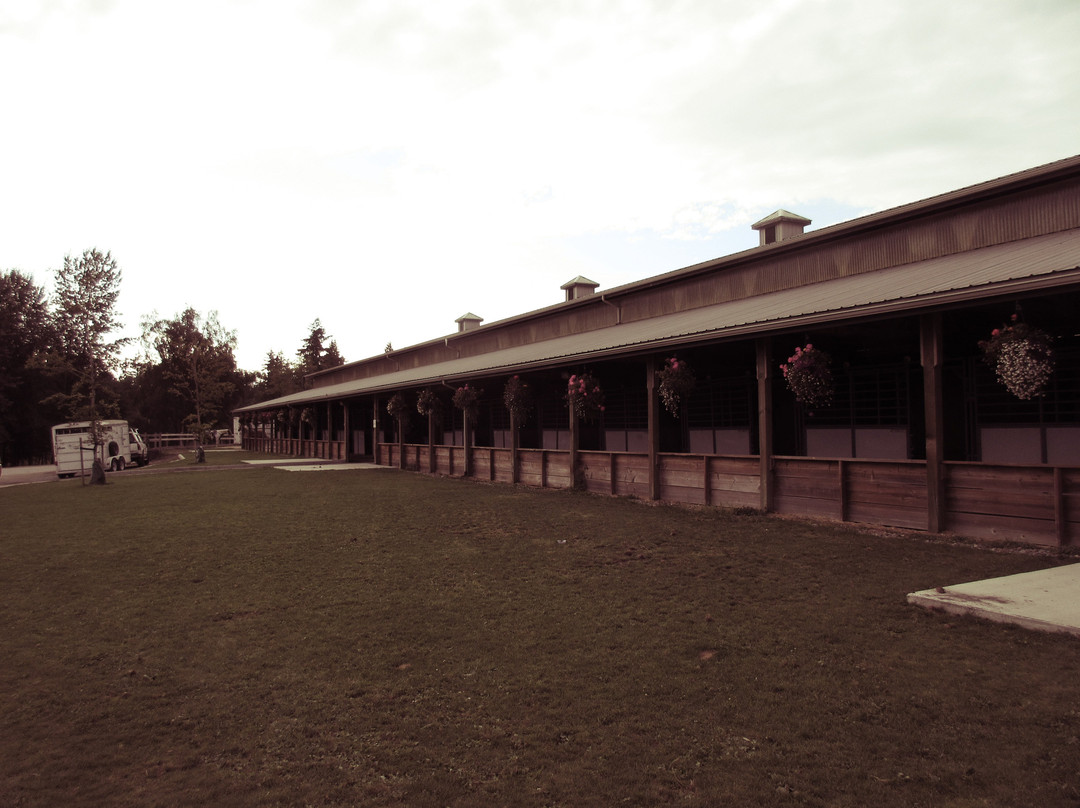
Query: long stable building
{"x":919,"y":432}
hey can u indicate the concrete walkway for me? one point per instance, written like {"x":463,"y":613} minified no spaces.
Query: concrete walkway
{"x":1044,"y":600}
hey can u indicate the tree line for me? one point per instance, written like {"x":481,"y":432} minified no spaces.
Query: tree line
{"x":60,"y":361}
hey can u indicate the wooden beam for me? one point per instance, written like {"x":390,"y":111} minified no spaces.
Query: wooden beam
{"x":345,"y":427}
{"x":400,"y":441}
{"x":842,"y":482}
{"x":466,"y":441}
{"x":431,"y":441}
{"x":931,"y":349}
{"x":574,"y":438}
{"x":654,"y":427}
{"x":707,"y":482}
{"x":375,"y":428}
{"x":765,"y":424}
{"x":514,"y":476}
{"x":1061,"y":526}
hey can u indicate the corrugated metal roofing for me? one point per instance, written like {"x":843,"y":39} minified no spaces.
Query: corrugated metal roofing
{"x":1041,"y":262}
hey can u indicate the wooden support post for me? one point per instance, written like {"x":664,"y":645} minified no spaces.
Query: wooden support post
{"x":707,"y":482}
{"x":1061,"y":524}
{"x":574,"y":435}
{"x":400,"y":421}
{"x":513,"y":448}
{"x":345,"y":428}
{"x":654,"y":428}
{"x":765,"y":424}
{"x":932,"y":349}
{"x":841,"y":481}
{"x":431,"y":441}
{"x":466,"y":442}
{"x":375,"y":428}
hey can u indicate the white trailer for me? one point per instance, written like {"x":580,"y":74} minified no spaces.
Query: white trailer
{"x":74,"y":447}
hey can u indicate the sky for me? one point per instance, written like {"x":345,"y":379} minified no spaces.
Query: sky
{"x":386,"y":166}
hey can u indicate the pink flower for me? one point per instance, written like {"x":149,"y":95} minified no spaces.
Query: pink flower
{"x":996,"y":332}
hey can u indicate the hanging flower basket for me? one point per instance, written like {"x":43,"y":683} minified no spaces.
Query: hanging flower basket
{"x":1022,"y":357}
{"x":307,"y":415}
{"x":584,"y":396}
{"x":467,"y":399}
{"x":809,"y":377}
{"x":427,"y":402}
{"x":518,"y":399}
{"x":396,"y":406}
{"x":676,"y":383}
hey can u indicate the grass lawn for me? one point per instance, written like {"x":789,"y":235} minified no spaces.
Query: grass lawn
{"x":266,"y":638}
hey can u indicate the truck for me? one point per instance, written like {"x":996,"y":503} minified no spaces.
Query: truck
{"x":74,"y":450}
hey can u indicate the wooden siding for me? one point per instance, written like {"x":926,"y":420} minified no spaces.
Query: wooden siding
{"x":682,"y":478}
{"x":617,"y":473}
{"x":733,"y":482}
{"x":323,"y":449}
{"x":1022,"y":503}
{"x":544,"y":468}
{"x":1032,"y":504}
{"x":807,"y":487}
{"x":884,"y":493}
{"x":492,"y":464}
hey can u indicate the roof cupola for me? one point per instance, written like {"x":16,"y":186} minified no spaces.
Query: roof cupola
{"x":780,"y":225}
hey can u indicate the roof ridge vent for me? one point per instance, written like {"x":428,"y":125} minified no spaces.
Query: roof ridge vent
{"x":779,"y":225}
{"x":579,"y":287}
{"x":468,"y":321}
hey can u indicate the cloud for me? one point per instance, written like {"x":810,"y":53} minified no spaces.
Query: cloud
{"x":282,"y":161}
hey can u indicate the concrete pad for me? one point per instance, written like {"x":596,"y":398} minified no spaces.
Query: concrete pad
{"x":1044,"y":600}
{"x":277,"y":461}
{"x":332,"y":467}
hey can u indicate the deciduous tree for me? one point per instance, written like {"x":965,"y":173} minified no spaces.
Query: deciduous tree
{"x":84,"y":314}
{"x":198,"y":364}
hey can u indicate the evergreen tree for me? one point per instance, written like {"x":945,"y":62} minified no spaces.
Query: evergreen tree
{"x":313,"y":356}
{"x":26,"y":334}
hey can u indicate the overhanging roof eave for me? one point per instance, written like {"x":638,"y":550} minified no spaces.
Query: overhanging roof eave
{"x":981,"y":275}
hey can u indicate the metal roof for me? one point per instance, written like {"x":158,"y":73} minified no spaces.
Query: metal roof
{"x":1028,"y":265}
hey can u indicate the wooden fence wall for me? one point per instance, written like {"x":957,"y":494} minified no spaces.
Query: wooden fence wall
{"x":322,"y":449}
{"x":1035,"y":504}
